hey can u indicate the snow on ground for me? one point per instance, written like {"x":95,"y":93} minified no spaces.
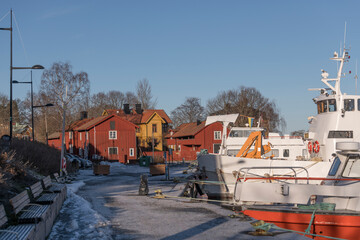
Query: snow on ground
{"x":109,"y":207}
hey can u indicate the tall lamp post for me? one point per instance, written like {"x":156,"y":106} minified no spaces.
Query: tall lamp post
{"x":11,"y":70}
{"x":32,"y":97}
{"x":10,"y":29}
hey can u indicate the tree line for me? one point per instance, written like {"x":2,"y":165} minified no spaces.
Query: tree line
{"x":70,"y":92}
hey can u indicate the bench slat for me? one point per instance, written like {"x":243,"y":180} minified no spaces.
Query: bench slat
{"x":20,"y":201}
{"x":36,"y":189}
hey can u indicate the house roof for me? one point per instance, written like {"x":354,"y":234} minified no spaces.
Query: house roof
{"x":138,"y":118}
{"x":98,"y":120}
{"x":54,"y":135}
{"x":187,"y":129}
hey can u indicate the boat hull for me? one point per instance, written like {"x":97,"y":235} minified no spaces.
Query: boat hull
{"x":332,"y":224}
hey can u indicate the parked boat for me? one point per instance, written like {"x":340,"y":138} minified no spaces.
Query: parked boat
{"x":330,"y":209}
{"x":311,"y":156}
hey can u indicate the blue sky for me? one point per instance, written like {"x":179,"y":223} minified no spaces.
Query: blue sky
{"x":186,"y":48}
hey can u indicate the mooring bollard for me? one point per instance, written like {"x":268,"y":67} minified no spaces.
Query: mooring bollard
{"x":144,"y":187}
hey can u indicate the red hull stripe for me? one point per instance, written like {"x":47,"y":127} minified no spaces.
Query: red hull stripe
{"x":333,"y":225}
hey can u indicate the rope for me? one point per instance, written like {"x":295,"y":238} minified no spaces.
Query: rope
{"x":4,"y":16}
{"x":200,"y":199}
{"x":310,"y":223}
{"x":21,"y":40}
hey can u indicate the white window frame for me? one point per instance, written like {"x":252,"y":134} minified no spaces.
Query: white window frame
{"x":114,"y":137}
{"x":80,"y":134}
{"x":217,"y":135}
{"x":70,"y":135}
{"x":87,"y":135}
{"x":131,"y":152}
{"x":117,"y":151}
{"x":179,"y":148}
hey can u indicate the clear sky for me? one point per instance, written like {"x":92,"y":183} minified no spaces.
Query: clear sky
{"x":186,"y":48}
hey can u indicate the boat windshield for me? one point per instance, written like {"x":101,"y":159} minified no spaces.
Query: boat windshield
{"x":240,"y":133}
{"x":352,"y":167}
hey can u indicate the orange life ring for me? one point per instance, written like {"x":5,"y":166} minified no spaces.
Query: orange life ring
{"x":310,"y":147}
{"x":316,"y":147}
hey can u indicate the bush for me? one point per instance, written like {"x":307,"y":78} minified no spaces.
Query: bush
{"x":44,"y":159}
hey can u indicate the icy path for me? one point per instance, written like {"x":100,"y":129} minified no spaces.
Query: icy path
{"x":109,"y":207}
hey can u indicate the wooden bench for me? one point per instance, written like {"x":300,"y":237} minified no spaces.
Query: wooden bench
{"x":27,"y":212}
{"x":54,"y":188}
{"x":52,"y":199}
{"x":18,"y":232}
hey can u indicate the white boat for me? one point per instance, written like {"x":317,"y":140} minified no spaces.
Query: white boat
{"x":329,"y":210}
{"x":335,"y":122}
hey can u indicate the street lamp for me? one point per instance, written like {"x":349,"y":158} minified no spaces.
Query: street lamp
{"x":11,"y":78}
{"x":31,"y":95}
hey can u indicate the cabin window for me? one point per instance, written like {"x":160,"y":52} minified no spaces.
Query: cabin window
{"x":286,"y":153}
{"x":131,"y":152}
{"x":334,"y":167}
{"x":154,"y":128}
{"x":352,"y":168}
{"x":332,"y":105}
{"x":340,"y":134}
{"x":349,"y":104}
{"x":217,"y":135}
{"x":275,"y":152}
{"x":359,"y":104}
{"x":113,"y":150}
{"x":322,"y":106}
{"x":112,"y":134}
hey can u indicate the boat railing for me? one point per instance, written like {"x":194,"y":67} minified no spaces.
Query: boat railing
{"x":292,"y":168}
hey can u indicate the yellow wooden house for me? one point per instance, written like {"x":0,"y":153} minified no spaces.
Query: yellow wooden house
{"x":153,"y":125}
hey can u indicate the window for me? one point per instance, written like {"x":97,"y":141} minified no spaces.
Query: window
{"x":70,"y":135}
{"x":80,"y":135}
{"x":131,"y":152}
{"x":113,"y":150}
{"x":112,"y":125}
{"x":217,"y":135}
{"x":322,"y":106}
{"x":71,"y":150}
{"x":112,"y":134}
{"x":334,"y":167}
{"x":359,"y":104}
{"x":87,"y":135}
{"x":352,"y":167}
{"x":332,"y":105}
{"x":340,"y":134}
{"x":349,"y":105}
{"x":216,"y":148}
{"x":154,"y":128}
{"x":179,"y":148}
{"x":286,"y":153}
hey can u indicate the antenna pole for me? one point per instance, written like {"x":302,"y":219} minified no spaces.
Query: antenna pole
{"x":356,"y":78}
{"x":344,"y":35}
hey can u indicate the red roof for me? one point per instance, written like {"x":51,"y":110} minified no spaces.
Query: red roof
{"x":137,"y":118}
{"x":96,"y":121}
{"x":187,"y":129}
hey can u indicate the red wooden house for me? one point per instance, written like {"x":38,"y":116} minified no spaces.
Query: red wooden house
{"x":189,"y":138}
{"x":107,"y":137}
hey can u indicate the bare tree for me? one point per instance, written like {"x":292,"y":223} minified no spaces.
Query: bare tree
{"x":144,"y":95}
{"x":247,"y":102}
{"x":116,"y":99}
{"x":63,"y":88}
{"x":190,"y":111}
{"x":131,"y":99}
